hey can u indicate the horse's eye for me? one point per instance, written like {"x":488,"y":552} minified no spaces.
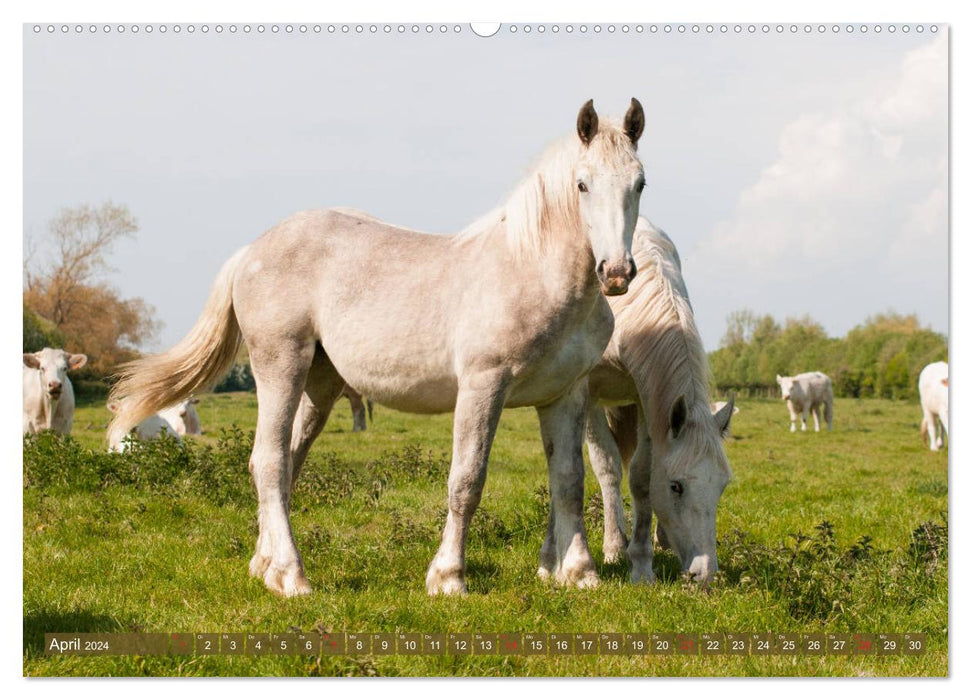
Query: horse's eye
{"x":582,"y":187}
{"x":640,"y":187}
{"x":677,"y":487}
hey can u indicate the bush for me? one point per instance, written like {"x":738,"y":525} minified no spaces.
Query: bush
{"x":240,"y":378}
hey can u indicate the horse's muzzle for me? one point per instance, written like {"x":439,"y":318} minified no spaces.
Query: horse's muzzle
{"x":616,"y":278}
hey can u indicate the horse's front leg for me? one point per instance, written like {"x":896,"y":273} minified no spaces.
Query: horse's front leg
{"x":641,"y":547}
{"x":815,"y":412}
{"x":804,"y":410}
{"x":792,"y":417}
{"x":607,"y":465}
{"x":477,"y":411}
{"x":561,"y":426}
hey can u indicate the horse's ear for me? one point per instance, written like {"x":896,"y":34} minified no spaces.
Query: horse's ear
{"x":30,"y":360}
{"x":778,"y":379}
{"x":723,"y":419}
{"x":679,"y":416}
{"x":587,"y":122}
{"x":634,"y":121}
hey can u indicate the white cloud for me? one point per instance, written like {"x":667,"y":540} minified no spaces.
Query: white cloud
{"x":860,"y":185}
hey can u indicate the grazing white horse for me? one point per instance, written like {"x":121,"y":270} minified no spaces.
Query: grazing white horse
{"x":150,"y":428}
{"x":511,"y":312}
{"x":359,"y":411}
{"x":654,"y":379}
{"x":183,"y":417}
{"x":806,"y":393}
{"x":48,"y":394}
{"x":933,"y":401}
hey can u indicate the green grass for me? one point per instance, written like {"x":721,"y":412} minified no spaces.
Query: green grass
{"x":160,"y":542}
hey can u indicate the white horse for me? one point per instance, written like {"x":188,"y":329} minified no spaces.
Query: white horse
{"x":807,"y":393}
{"x":933,"y":401}
{"x":654,"y":379}
{"x":511,"y":312}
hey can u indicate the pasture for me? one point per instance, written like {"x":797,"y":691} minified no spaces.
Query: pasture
{"x":818,"y":532}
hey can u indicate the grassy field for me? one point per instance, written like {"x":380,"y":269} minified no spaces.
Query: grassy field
{"x":842,"y":532}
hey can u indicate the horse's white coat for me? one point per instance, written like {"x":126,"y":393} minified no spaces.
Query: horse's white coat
{"x":183,"y":417}
{"x":656,"y":361}
{"x":48,"y":394}
{"x":806,"y":393}
{"x":933,"y":401}
{"x":509,"y":313}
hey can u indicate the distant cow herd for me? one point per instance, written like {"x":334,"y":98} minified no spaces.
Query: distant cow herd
{"x":49,"y":401}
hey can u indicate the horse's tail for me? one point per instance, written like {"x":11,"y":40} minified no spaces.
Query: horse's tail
{"x":153,"y":382}
{"x":622,"y":421}
{"x":923,"y":430}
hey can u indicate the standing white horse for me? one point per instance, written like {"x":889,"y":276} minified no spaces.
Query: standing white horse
{"x":654,"y":378}
{"x":509,"y":313}
{"x":933,"y":402}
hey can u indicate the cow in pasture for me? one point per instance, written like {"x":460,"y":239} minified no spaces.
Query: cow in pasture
{"x":806,"y":393}
{"x":183,"y":417}
{"x":716,"y":406}
{"x":48,"y":394}
{"x":148,"y":429}
{"x":933,"y":400}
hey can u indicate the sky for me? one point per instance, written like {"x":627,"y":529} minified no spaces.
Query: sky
{"x":798,"y":173}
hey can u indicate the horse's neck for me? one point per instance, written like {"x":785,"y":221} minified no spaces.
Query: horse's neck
{"x":660,"y":353}
{"x":566,"y":264}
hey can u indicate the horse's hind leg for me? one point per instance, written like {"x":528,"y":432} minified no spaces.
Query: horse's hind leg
{"x":477,"y":413}
{"x":357,"y":409}
{"x":281,"y":373}
{"x":641,"y":547}
{"x":931,"y":420}
{"x":606,"y":461}
{"x":815,"y":411}
{"x":321,"y":391}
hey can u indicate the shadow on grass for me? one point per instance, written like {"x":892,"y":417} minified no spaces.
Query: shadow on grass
{"x":41,"y":622}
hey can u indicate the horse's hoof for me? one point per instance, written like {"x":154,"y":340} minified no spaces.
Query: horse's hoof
{"x":439,"y":582}
{"x":641,"y":576}
{"x":258,"y":565}
{"x":579,"y":577}
{"x":288,"y":581}
{"x":615,"y":555}
{"x":544,"y":573}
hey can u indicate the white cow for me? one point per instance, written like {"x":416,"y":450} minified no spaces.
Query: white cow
{"x":716,"y":406}
{"x":149,"y":429}
{"x":48,"y":394}
{"x":933,"y":400}
{"x":183,"y":417}
{"x":804,"y":394}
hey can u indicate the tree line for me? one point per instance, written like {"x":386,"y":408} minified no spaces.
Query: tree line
{"x":882,"y":357}
{"x":68,"y":304}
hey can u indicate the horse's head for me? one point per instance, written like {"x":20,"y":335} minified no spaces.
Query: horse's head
{"x":787,"y":386}
{"x":53,"y":366}
{"x":610,"y":179}
{"x":687,"y":480}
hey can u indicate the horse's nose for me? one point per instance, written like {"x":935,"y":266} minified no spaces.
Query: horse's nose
{"x":54,"y":385}
{"x":615,"y":276}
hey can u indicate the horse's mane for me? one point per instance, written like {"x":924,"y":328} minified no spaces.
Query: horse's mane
{"x":659,"y":343}
{"x":546,"y":200}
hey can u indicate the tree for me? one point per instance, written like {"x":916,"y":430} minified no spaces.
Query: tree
{"x":90,"y":316}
